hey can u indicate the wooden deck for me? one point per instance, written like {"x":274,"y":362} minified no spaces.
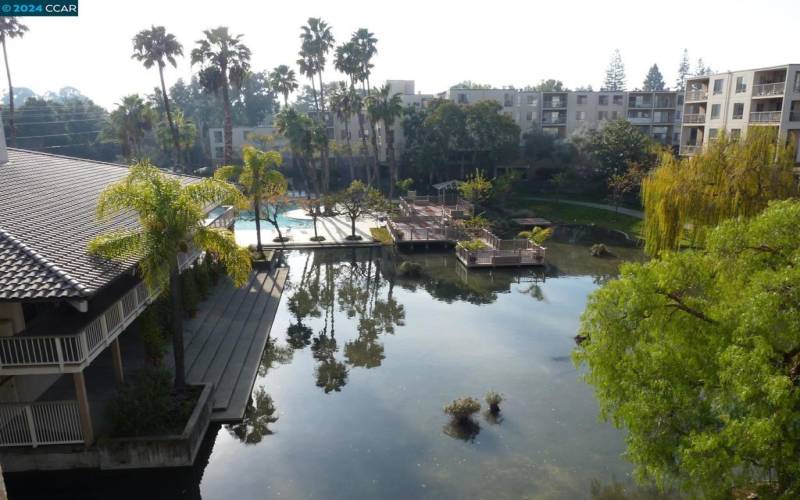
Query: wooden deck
{"x":225,"y":341}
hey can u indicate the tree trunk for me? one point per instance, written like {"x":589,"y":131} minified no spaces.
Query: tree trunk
{"x":228,"y":153}
{"x":390,"y":158}
{"x":11,"y":124}
{"x":349,"y":150}
{"x":353,"y":226}
{"x":177,"y":327}
{"x":376,"y":173}
{"x":326,"y":167}
{"x":175,"y":139}
{"x":257,"y":212}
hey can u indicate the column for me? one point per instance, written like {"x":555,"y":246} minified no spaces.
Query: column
{"x":83,"y":408}
{"x":116,"y":354}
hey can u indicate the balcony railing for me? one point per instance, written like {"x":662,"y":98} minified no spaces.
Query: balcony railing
{"x":689,"y":149}
{"x":554,"y":104}
{"x":696,"y":95}
{"x":794,"y":116}
{"x":640,"y":105}
{"x":561,"y":120}
{"x":664,"y":104}
{"x":769,"y":89}
{"x":69,"y":353}
{"x":765,"y":117}
{"x":640,"y":120}
{"x":224,"y":219}
{"x":694,"y":118}
{"x":34,"y":424}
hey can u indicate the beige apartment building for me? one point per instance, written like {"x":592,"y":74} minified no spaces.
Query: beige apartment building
{"x":736,"y":100}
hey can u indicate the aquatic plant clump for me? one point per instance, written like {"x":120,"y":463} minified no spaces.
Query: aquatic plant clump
{"x":463,"y":408}
{"x":599,"y":250}
{"x":493,"y":399}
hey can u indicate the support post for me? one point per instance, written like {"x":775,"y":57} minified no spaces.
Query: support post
{"x":116,"y":354}
{"x":83,"y":408}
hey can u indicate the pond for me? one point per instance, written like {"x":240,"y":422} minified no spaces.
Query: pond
{"x":348,"y":401}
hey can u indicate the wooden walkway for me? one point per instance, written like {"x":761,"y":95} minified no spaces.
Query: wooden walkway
{"x":225,"y":341}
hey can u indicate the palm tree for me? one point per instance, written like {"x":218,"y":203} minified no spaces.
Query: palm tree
{"x":300,"y":131}
{"x":348,"y":61}
{"x":257,"y":178}
{"x":366,"y":48}
{"x":129,"y":124}
{"x":345,"y":103}
{"x":171,"y":220}
{"x":386,"y":107}
{"x":187,"y":134}
{"x":156,"y":46}
{"x":317,"y":40}
{"x":283,"y":80}
{"x":225,"y":60}
{"x":10,"y":28}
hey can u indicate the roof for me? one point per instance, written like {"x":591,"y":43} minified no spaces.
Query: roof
{"x":47,"y":218}
{"x":451,"y":184}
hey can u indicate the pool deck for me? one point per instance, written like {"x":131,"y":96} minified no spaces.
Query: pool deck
{"x":334,"y":229}
{"x":225,"y":341}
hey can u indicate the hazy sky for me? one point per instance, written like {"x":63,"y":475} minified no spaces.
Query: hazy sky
{"x":437,"y":43}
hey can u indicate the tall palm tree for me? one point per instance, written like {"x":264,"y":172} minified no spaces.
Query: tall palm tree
{"x":316,"y":42}
{"x":10,"y":28}
{"x":345,"y":103}
{"x":386,"y":107}
{"x":366,"y":47}
{"x":187,"y":134}
{"x":129,"y":124}
{"x":171,"y":220}
{"x":283,"y":81}
{"x":225,"y":61}
{"x":157,"y":47}
{"x":300,"y":131}
{"x":348,"y":61}
{"x":256,"y":178}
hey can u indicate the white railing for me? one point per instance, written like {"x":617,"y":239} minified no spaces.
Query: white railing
{"x":765,"y":116}
{"x":34,"y":424}
{"x":769,"y":89}
{"x":70,"y":352}
{"x":688,"y":149}
{"x":694,"y":118}
{"x":696,"y":95}
{"x":223,"y":220}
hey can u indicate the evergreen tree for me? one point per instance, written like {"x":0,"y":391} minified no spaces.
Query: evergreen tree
{"x":654,"y":80}
{"x":683,"y":71}
{"x":702,"y":69}
{"x":615,"y":74}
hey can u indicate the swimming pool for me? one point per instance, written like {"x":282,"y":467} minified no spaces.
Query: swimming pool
{"x":246,"y":221}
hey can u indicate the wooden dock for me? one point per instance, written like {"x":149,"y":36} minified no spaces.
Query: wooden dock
{"x":225,"y":341}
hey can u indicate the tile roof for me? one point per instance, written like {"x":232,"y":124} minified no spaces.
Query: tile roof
{"x":47,"y":218}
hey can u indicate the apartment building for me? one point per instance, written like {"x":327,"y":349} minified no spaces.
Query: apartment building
{"x":523,"y":106}
{"x":736,"y":100}
{"x":260,"y":137}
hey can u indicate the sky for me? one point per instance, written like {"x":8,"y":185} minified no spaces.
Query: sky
{"x":437,"y":43}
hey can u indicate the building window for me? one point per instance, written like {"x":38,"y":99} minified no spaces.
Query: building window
{"x":508,"y":100}
{"x":680,"y":100}
{"x":741,"y":85}
{"x":580,"y":115}
{"x":531,"y":100}
{"x":602,"y":115}
{"x":583,"y":99}
{"x":218,"y":136}
{"x":718,"y":86}
{"x":677,"y":115}
{"x":618,"y":100}
{"x":736,"y":133}
{"x":715,"y":111}
{"x":603,"y":100}
{"x":738,"y":110}
{"x":614,"y":114}
{"x":712,"y":134}
{"x":462,"y":98}
{"x":529,"y":116}
{"x":676,"y":137}
{"x":797,"y":81}
{"x":219,"y":152}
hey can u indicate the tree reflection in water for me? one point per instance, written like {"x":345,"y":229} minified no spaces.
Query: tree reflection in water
{"x":466,"y":430}
{"x":260,"y":412}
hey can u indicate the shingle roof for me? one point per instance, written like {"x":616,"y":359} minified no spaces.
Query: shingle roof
{"x":47,"y":218}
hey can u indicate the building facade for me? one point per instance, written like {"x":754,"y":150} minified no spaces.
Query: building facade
{"x":736,"y":100}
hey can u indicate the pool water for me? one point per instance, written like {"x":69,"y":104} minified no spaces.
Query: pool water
{"x":348,"y":400}
{"x":246,"y":221}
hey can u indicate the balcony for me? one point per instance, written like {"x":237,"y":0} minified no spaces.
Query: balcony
{"x":640,"y":120}
{"x":699,"y":118}
{"x":41,"y":354}
{"x":561,"y":120}
{"x":664,"y":104}
{"x":640,"y":105}
{"x":769,"y":89}
{"x":696,"y":95}
{"x":765,"y":117}
{"x":40,"y":423}
{"x":690,"y":149}
{"x":555,"y":104}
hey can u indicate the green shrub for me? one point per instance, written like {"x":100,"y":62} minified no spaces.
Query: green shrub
{"x":493,"y":399}
{"x":410,"y":269}
{"x":472,"y":245}
{"x":163,"y":309}
{"x":147,"y":406}
{"x":463,"y":408}
{"x":189,"y":296}
{"x":476,"y":223}
{"x":203,"y":280}
{"x":152,"y":334}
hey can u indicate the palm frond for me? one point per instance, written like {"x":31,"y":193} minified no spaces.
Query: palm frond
{"x":118,"y":245}
{"x":222,"y":243}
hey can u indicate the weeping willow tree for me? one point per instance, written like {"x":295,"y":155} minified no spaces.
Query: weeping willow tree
{"x":683,"y":198}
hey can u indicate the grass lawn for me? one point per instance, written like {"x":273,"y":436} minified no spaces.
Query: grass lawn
{"x":574,"y":214}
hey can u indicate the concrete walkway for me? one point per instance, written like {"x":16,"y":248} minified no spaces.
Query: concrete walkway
{"x":626,"y":211}
{"x":225,"y":341}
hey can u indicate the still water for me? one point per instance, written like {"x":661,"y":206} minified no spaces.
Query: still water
{"x":348,"y":401}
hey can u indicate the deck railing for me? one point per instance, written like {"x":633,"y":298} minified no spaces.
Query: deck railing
{"x":765,"y":116}
{"x":688,"y":149}
{"x":63,"y":353}
{"x":694,"y":118}
{"x":769,"y":89}
{"x":696,"y":95}
{"x":45,"y":422}
{"x":225,"y":219}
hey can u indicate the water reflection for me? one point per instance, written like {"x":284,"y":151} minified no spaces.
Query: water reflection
{"x":465,"y":430}
{"x":258,"y":415}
